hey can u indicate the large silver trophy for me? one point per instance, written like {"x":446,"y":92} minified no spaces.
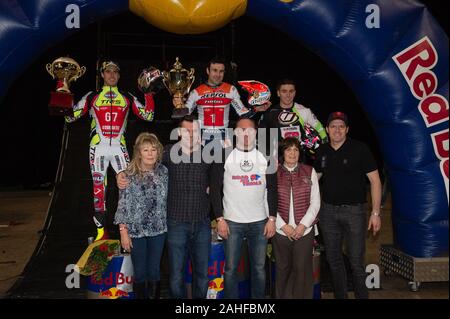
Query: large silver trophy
{"x":65,"y":70}
{"x":178,"y":82}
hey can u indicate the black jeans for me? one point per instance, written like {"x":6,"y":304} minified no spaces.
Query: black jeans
{"x":345,"y":222}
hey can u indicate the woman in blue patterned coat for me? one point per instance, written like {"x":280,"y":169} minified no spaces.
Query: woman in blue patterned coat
{"x":142,"y":214}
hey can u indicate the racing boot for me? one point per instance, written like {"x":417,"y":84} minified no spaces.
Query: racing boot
{"x":99,"y":220}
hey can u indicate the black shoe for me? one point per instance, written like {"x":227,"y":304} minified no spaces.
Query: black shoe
{"x":154,"y":290}
{"x":139,"y":290}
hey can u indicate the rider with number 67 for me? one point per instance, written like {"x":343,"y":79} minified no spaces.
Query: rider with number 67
{"x":108,"y":108}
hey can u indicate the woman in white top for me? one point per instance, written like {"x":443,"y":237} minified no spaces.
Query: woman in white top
{"x":298,"y":206}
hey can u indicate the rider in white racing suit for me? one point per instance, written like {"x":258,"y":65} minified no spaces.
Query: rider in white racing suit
{"x":109,"y":110}
{"x":290,"y":118}
{"x":213,"y":99}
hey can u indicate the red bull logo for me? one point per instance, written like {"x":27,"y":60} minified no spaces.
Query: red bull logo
{"x":217,"y":268}
{"x":114,"y":293}
{"x":416,"y":64}
{"x":216,"y":284}
{"x":118,"y":279}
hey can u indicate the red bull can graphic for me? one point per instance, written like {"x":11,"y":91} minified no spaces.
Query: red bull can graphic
{"x":116,"y":281}
{"x":216,"y":267}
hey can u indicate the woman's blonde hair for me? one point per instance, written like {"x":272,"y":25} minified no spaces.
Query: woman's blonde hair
{"x":144,"y":138}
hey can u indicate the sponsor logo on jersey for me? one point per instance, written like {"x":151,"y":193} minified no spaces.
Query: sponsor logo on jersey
{"x":214,"y":94}
{"x":97,"y":178}
{"x":290,"y":131}
{"x":92,"y":156}
{"x":111,"y":95}
{"x":219,"y":102}
{"x":287,"y":118}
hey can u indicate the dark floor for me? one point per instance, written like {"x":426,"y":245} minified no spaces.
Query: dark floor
{"x":22,"y":217}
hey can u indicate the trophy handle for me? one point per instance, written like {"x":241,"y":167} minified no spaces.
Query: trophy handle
{"x":165,"y":75}
{"x":48,"y":67}
{"x":81,"y":71}
{"x":79,"y":74}
{"x":191,"y":77}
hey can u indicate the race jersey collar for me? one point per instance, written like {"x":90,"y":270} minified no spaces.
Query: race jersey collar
{"x":110,"y":88}
{"x":213,"y":86}
{"x":287,"y":108}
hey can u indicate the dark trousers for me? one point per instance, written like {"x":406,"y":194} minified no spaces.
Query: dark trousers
{"x":345,"y":222}
{"x":194,"y":239}
{"x":146,"y":256}
{"x":294,"y":267}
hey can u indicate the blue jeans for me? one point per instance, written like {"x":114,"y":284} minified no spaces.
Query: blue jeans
{"x":146,"y":257}
{"x":195,"y":239}
{"x":348,"y":223}
{"x":257,"y":244}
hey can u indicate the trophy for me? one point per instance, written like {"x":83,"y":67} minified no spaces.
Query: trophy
{"x":178,"y":82}
{"x":65,"y":70}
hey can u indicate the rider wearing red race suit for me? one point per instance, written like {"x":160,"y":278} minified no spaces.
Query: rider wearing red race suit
{"x":212,"y":100}
{"x":109,"y":110}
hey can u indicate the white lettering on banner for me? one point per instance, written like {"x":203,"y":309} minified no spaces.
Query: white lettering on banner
{"x":434,"y":109}
{"x":416,"y":63}
{"x":441,"y":148}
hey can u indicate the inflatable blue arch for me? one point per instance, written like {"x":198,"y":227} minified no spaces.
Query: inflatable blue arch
{"x":399,"y":72}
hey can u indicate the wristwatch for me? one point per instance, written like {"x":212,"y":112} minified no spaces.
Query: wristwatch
{"x":272,"y":219}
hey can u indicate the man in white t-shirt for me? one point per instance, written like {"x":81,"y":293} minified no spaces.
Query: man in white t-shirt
{"x":244,"y":199}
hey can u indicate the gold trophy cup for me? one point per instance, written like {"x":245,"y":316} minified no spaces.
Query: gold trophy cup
{"x":178,"y":82}
{"x":65,"y":70}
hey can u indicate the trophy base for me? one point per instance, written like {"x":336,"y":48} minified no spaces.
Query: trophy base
{"x":180,"y":112}
{"x":61,"y":104}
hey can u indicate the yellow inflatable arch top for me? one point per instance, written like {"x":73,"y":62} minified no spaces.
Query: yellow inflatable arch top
{"x":188,"y":16}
